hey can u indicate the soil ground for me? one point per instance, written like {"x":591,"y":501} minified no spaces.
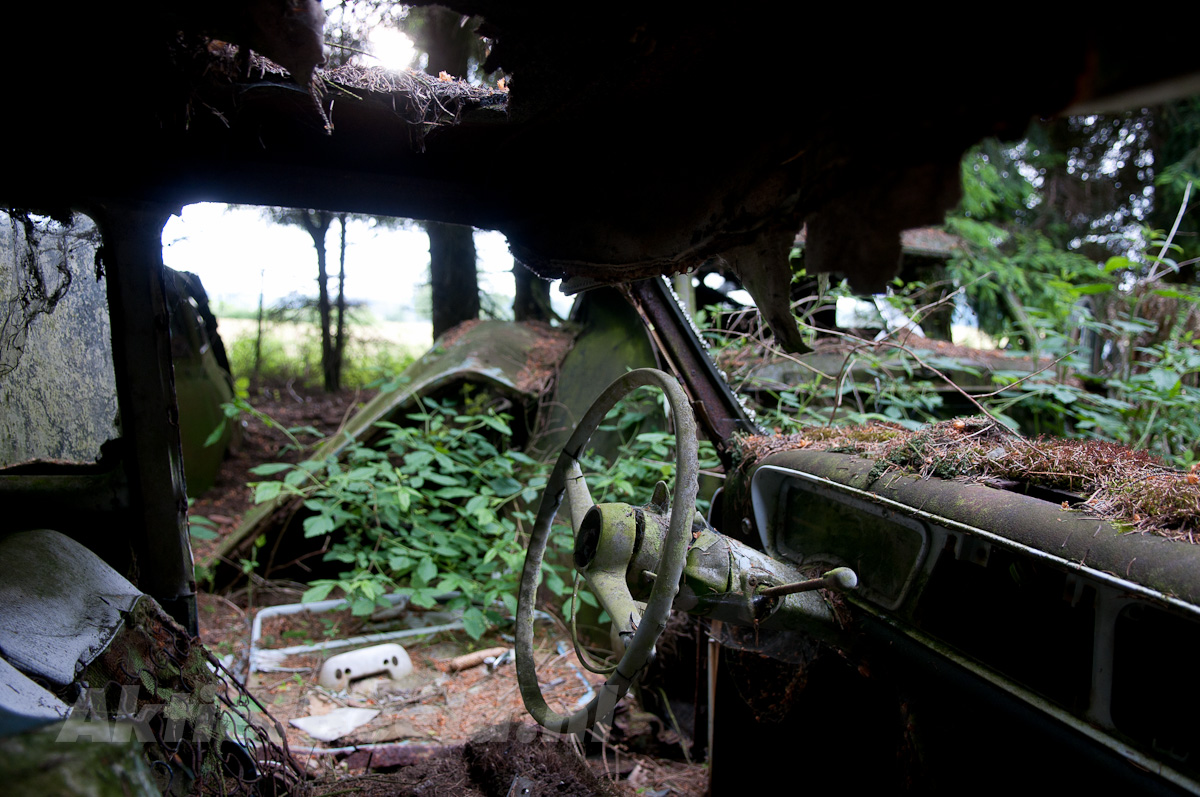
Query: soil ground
{"x":463,"y":733}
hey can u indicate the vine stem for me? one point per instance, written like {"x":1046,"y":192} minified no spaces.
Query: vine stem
{"x":1187,"y":192}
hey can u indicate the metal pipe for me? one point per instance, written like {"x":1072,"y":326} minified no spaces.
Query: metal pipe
{"x":840,"y":578}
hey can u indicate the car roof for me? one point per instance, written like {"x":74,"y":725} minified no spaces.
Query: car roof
{"x":633,"y":141}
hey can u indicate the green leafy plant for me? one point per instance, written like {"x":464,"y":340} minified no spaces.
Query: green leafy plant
{"x":429,"y":509}
{"x":874,"y":383}
{"x":644,"y":455}
{"x":440,"y":505}
{"x":291,"y":351}
{"x":200,"y":527}
{"x":1126,"y":362}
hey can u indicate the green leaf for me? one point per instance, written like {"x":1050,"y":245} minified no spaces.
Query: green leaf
{"x":317,"y":525}
{"x":1117,"y":263}
{"x":200,"y":532}
{"x":474,"y":623}
{"x":427,"y":570}
{"x":365,"y":474}
{"x":317,"y":592}
{"x":296,"y":477}
{"x":1164,"y":379}
{"x":476,"y":503}
{"x":270,"y":469}
{"x":1063,"y":394}
{"x":215,"y":435}
{"x":455,"y":492}
{"x":497,"y":424}
{"x":504,"y":486}
{"x":445,"y":481}
{"x":418,"y":459}
{"x":266,"y":491}
{"x":424,"y":598}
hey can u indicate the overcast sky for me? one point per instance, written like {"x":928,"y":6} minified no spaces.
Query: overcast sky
{"x":231,"y":248}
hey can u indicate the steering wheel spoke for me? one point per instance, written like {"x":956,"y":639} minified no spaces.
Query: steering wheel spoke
{"x":606,"y":541}
{"x":579,"y":498}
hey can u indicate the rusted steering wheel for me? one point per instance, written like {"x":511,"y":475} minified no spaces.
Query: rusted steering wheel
{"x":640,"y":632}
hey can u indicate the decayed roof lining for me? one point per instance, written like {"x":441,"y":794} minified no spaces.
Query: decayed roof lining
{"x":633,"y":142}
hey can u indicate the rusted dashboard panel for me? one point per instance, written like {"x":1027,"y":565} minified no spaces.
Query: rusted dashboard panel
{"x":815,"y":523}
{"x":1060,"y":611}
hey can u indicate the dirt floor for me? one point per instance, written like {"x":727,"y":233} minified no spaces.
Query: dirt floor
{"x":436,"y":732}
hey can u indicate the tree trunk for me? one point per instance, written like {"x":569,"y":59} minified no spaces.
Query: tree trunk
{"x":316,"y":223}
{"x":339,"y":342}
{"x":259,"y":334}
{"x":452,"y":275}
{"x":447,"y":42}
{"x":451,"y":247}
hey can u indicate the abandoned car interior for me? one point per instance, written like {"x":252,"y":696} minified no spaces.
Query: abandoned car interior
{"x":871,"y":628}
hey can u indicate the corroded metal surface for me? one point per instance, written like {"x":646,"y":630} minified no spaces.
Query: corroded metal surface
{"x":512,"y":359}
{"x":1161,"y":565}
{"x":646,"y":628}
{"x":718,"y":411}
{"x":391,"y":756}
{"x":58,"y":393}
{"x":151,"y":454}
{"x":647,"y":167}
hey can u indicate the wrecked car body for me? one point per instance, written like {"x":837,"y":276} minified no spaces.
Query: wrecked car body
{"x":628,"y":208}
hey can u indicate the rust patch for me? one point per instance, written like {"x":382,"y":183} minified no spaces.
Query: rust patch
{"x":451,"y":336}
{"x":541,"y":363}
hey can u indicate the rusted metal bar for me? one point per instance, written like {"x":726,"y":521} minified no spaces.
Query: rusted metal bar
{"x":718,"y":410}
{"x":151,"y":449}
{"x":393,"y":756}
{"x":840,"y":578}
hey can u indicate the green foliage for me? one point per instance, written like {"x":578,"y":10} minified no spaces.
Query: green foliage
{"x":643,"y":458}
{"x":224,"y":309}
{"x":276,"y":364}
{"x":1120,"y":375}
{"x":435,"y":507}
{"x":873,"y":384}
{"x":1006,"y":267}
{"x":443,"y":505}
{"x":290,"y":353}
{"x":200,"y":527}
{"x":1117,"y":347}
{"x":1147,"y":397}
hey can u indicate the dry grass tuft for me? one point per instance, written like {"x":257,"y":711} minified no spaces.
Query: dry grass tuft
{"x":1111,"y":481}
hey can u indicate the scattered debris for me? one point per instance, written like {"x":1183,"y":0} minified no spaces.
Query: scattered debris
{"x":443,"y":730}
{"x":389,"y":659}
{"x":336,"y":724}
{"x":469,"y":660}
